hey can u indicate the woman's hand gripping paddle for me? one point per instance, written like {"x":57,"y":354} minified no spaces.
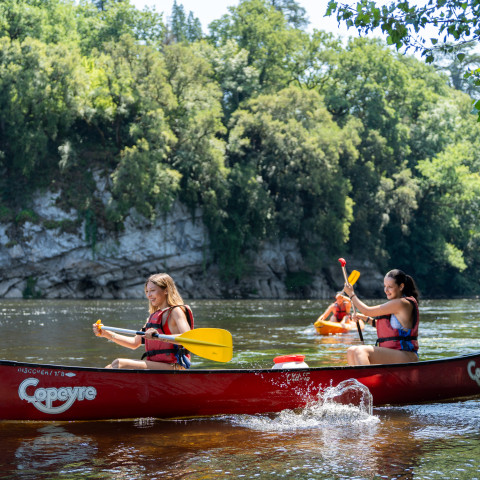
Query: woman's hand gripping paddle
{"x":344,"y":270}
{"x":210,"y":343}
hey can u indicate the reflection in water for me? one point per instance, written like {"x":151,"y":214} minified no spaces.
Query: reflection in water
{"x":54,"y":448}
{"x":324,"y":442}
{"x":339,"y":339}
{"x":343,"y":444}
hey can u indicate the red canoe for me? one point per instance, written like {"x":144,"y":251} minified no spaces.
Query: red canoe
{"x":51,"y":392}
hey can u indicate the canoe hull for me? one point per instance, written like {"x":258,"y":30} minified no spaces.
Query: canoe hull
{"x":50,"y":392}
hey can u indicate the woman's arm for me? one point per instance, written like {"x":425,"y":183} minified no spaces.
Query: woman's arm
{"x":400,"y":307}
{"x":388,"y":308}
{"x":392,"y":306}
{"x":123,"y":340}
{"x":327,"y":312}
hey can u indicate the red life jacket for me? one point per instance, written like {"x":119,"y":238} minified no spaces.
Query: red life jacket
{"x":161,"y":351}
{"x":398,"y":339}
{"x":339,"y":311}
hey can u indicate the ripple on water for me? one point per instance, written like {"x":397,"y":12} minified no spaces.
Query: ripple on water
{"x":444,"y":420}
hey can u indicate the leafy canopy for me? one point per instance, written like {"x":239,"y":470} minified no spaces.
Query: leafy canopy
{"x":407,"y":25}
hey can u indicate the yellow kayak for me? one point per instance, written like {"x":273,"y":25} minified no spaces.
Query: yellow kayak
{"x":324,"y":327}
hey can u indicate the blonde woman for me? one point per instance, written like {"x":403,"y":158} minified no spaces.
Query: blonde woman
{"x":168,"y":316}
{"x":339,"y":310}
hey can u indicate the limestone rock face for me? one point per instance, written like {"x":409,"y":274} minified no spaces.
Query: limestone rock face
{"x":55,"y":263}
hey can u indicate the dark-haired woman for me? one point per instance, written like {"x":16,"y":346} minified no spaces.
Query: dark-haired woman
{"x":396,"y":321}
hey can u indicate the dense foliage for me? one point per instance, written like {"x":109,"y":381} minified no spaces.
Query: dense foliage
{"x":272,"y":131}
{"x":409,"y":25}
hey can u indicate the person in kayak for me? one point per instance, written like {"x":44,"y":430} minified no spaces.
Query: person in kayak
{"x":339,"y":310}
{"x":396,"y":321}
{"x":168,"y":316}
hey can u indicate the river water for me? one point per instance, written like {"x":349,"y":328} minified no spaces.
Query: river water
{"x":434,"y":441}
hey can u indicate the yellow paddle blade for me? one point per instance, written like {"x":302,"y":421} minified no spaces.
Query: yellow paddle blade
{"x":353,"y":277}
{"x":211,"y":343}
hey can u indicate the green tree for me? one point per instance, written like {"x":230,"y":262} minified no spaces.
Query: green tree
{"x":112,"y":19}
{"x":284,"y":153}
{"x":196,"y":122}
{"x":231,"y":71}
{"x":315,"y":59}
{"x":194,"y":28}
{"x":262,"y":31}
{"x":183,"y":28}
{"x":292,"y":11}
{"x":143,"y":180}
{"x":456,"y":62}
{"x":388,"y":94}
{"x":457,"y":20}
{"x":445,"y":234}
{"x":50,"y":21}
{"x":402,"y":21}
{"x":445,"y":121}
{"x":130,"y":99}
{"x":40,"y":90}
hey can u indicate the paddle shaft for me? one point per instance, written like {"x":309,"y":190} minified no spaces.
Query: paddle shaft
{"x":344,"y":270}
{"x":134,"y":332}
{"x":210,"y":343}
{"x":168,"y":338}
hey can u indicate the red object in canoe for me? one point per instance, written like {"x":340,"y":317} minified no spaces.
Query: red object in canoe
{"x":51,"y":392}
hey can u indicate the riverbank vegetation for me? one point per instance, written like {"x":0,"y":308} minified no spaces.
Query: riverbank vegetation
{"x":272,"y":130}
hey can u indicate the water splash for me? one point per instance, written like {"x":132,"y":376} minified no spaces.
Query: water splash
{"x":347,"y":404}
{"x":350,"y":392}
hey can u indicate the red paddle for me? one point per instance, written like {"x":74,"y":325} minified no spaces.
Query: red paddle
{"x":344,"y":270}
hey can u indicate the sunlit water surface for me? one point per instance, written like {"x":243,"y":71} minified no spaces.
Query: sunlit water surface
{"x":323,"y":441}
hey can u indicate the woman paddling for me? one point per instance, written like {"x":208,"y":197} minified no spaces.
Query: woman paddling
{"x":339,"y":310}
{"x":168,"y":316}
{"x":396,"y":321}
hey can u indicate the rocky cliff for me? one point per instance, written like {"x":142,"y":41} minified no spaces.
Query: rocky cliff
{"x":45,"y":261}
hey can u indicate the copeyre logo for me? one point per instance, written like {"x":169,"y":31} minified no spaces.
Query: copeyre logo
{"x":44,"y":398}
{"x":473,"y":371}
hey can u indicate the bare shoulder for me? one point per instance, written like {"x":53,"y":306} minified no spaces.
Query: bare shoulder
{"x":178,"y":311}
{"x":406,"y":303}
{"x":179,"y":320}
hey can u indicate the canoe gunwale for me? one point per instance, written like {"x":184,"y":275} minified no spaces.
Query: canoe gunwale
{"x":14,"y":363}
